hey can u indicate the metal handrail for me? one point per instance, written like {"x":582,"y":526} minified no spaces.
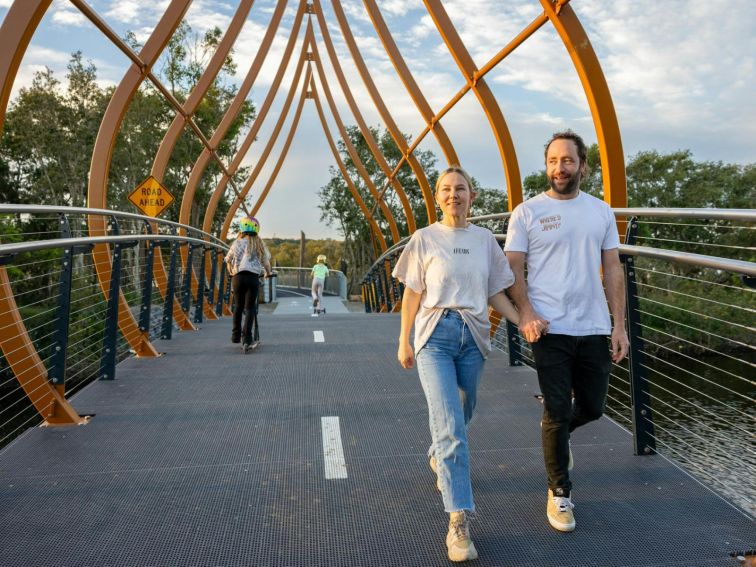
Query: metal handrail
{"x":39,"y":209}
{"x":19,"y":247}
{"x":691,"y":259}
{"x":700,"y":213}
{"x":735,"y":266}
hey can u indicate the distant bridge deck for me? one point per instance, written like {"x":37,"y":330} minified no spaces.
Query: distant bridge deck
{"x":206,"y":457}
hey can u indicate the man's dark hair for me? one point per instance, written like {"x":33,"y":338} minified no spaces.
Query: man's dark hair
{"x":568,"y":134}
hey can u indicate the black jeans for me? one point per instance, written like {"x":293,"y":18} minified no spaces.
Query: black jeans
{"x":573,"y":373}
{"x":245,"y":286}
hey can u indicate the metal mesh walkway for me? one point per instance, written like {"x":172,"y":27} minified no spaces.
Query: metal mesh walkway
{"x":206,"y":457}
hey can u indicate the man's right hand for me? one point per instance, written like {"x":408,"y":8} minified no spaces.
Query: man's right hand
{"x":532,"y":325}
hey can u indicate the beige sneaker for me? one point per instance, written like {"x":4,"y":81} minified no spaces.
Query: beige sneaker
{"x":458,"y":542}
{"x":433,"y":467}
{"x":559,"y":512}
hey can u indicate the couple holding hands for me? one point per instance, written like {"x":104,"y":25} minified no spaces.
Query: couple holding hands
{"x":453,"y":271}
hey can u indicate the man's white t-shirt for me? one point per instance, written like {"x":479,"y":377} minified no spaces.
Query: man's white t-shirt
{"x":563,"y":240}
{"x":454,"y":268}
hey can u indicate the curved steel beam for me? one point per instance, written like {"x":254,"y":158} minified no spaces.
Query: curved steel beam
{"x":351,"y":149}
{"x":495,"y":60}
{"x":366,"y":133}
{"x":229,"y":116}
{"x":388,"y":120}
{"x":261,"y":115}
{"x":100,"y":165}
{"x":409,"y":82}
{"x":306,"y":44}
{"x":18,"y":27}
{"x":26,"y":364}
{"x":358,"y":199}
{"x":287,"y":143}
{"x":485,"y":97}
{"x":169,"y":141}
{"x":586,"y":63}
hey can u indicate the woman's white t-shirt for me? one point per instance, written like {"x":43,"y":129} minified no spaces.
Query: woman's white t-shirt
{"x":454,"y":268}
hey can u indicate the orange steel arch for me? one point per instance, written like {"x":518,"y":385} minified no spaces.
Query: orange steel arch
{"x":366,"y":133}
{"x":388,"y":120}
{"x":586,"y":63}
{"x":169,"y":141}
{"x":16,"y":344}
{"x":24,"y":16}
{"x":373,"y":225}
{"x":308,"y":37}
{"x":351,"y":149}
{"x":261,"y":115}
{"x":103,"y":149}
{"x":409,"y":82}
{"x":231,"y":113}
{"x":287,"y":143}
{"x":485,"y":97}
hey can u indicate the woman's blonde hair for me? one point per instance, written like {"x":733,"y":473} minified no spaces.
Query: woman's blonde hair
{"x":254,"y":243}
{"x":455,"y":169}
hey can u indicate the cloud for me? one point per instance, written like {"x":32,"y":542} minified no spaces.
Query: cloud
{"x":65,"y":14}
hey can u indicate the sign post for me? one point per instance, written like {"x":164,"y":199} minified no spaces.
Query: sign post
{"x":151,"y":197}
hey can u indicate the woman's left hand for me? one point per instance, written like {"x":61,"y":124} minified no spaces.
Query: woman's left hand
{"x":405,"y":355}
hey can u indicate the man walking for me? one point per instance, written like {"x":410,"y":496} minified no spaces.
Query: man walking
{"x":567,"y":237}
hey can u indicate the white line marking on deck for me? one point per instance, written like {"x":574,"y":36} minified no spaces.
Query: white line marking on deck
{"x":333,"y":452}
{"x":318,"y":336}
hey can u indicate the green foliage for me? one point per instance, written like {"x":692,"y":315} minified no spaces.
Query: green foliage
{"x":285,"y":252}
{"x":50,"y":133}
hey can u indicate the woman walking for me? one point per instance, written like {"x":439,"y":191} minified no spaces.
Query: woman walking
{"x":452,"y":271}
{"x":247,"y":259}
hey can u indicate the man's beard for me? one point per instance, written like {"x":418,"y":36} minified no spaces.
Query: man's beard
{"x":571,"y":187}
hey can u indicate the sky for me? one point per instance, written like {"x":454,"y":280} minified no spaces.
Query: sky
{"x":681,"y":76}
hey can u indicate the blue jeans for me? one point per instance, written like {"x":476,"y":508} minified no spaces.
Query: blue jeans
{"x":450,"y":366}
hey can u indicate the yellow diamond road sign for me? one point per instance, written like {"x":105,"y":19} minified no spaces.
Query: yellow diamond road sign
{"x":151,"y":197}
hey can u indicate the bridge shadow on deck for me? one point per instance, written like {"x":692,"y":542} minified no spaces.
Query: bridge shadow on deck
{"x":206,"y":457}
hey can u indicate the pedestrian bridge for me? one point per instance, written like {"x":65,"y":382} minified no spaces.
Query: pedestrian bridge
{"x":312,"y":451}
{"x":161,"y":444}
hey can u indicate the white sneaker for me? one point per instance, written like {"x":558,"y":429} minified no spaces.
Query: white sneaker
{"x":458,"y":543}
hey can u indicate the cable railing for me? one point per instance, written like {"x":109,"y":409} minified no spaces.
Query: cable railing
{"x":74,"y":302}
{"x":688,"y":388}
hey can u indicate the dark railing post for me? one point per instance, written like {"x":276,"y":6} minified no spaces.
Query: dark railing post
{"x":227,"y":293}
{"x":213,"y":277}
{"x":186,"y":290}
{"x":110,"y":336}
{"x":167,"y":331}
{"x":57,"y":372}
{"x":221,"y":290}
{"x":198,"y":315}
{"x":387,"y":287}
{"x":374,"y":294}
{"x":110,"y":340}
{"x":515,"y":351}
{"x":643,"y":422}
{"x":363,"y":287}
{"x":145,"y":311}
